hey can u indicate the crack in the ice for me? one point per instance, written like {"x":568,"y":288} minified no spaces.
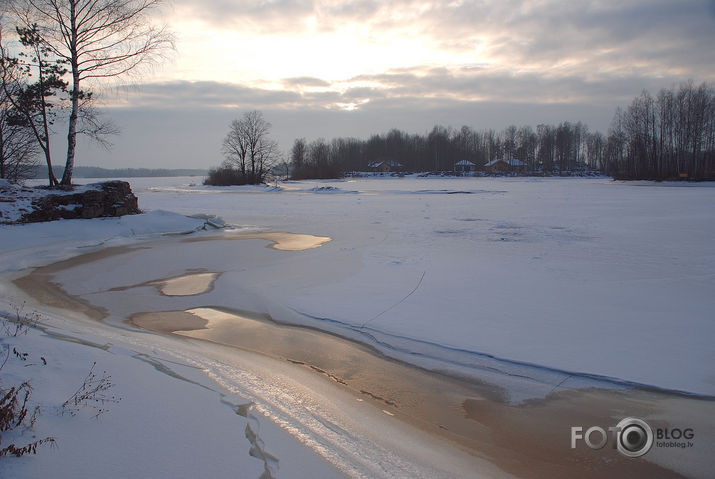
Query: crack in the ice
{"x":503,"y":366}
{"x":253,"y":426}
{"x":379,"y":398}
{"x":159,"y":366}
{"x":257,"y":449}
{"x":397,"y":303}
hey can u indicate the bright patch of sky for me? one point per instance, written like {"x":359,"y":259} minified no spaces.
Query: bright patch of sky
{"x":329,"y":68}
{"x":475,"y":46}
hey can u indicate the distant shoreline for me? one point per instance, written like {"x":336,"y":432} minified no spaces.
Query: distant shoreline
{"x":99,"y":172}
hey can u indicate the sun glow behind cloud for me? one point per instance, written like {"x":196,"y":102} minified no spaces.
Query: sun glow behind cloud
{"x":349,"y":54}
{"x":246,"y":53}
{"x":357,"y":67}
{"x":348,"y":51}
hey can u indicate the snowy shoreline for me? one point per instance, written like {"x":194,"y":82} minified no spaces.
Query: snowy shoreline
{"x":300,"y":449}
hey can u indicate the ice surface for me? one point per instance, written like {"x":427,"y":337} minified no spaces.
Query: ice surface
{"x":584,"y":276}
{"x":551,"y":281}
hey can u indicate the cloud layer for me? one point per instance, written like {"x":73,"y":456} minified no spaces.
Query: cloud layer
{"x":550,"y":37}
{"x":350,"y":68}
{"x":347,"y":54}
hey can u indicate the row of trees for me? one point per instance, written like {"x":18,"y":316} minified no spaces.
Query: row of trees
{"x":566,"y":147}
{"x":66,"y":43}
{"x":666,"y":137}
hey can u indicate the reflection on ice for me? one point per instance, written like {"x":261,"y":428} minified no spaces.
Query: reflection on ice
{"x":167,"y":321}
{"x":188,"y":285}
{"x":279,"y":240}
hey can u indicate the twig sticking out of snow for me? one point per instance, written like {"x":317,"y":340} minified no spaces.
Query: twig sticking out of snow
{"x":92,"y":392}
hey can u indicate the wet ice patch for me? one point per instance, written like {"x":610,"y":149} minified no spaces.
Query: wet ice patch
{"x":188,"y":285}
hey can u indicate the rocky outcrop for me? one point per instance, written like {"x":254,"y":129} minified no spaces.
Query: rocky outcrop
{"x":113,"y":198}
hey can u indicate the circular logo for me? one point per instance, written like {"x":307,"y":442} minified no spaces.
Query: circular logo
{"x":635,"y":438}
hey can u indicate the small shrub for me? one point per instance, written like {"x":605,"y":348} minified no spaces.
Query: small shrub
{"x":20,"y":324}
{"x":227,"y":176}
{"x":13,"y":415}
{"x":14,"y":412}
{"x":92,"y":392}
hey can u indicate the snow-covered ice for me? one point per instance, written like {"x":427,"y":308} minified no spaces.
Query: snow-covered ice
{"x":585,"y":276}
{"x":529,"y":283}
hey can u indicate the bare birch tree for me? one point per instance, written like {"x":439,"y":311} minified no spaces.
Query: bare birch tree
{"x":97,"y":39}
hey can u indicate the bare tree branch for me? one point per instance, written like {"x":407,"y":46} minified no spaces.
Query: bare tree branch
{"x":97,"y":39}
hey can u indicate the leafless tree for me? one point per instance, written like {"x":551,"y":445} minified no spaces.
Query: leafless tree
{"x":248,"y":148}
{"x":666,"y":137}
{"x":18,"y":146}
{"x":595,"y":148}
{"x":298,"y":153}
{"x":31,"y":84}
{"x":526,"y":146}
{"x":97,"y":39}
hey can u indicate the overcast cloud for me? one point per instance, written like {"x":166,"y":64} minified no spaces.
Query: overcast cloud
{"x":351,"y":68}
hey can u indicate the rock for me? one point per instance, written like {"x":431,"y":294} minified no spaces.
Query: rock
{"x":113,"y":198}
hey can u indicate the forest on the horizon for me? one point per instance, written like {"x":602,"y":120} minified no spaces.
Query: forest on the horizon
{"x":669,"y":136}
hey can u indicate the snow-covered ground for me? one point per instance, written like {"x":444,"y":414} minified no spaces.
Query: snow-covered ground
{"x":528,"y":283}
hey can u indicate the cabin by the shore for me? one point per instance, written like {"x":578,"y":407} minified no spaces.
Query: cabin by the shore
{"x":465,"y":166}
{"x":384,"y":166}
{"x":501,"y":165}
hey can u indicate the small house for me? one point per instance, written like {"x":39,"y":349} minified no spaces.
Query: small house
{"x":465,"y":166}
{"x":505,"y":166}
{"x":384,"y":166}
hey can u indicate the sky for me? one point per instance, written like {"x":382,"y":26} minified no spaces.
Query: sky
{"x":325,"y":69}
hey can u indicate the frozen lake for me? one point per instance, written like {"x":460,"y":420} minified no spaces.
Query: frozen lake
{"x":578,"y":277}
{"x":533,"y":288}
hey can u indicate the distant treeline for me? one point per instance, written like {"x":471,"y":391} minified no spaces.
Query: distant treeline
{"x":669,"y":137}
{"x":566,"y":147}
{"x":97,"y":172}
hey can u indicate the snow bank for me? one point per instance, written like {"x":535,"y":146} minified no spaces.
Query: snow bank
{"x":30,"y":245}
{"x":162,"y":417}
{"x":16,"y":200}
{"x":117,"y":443}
